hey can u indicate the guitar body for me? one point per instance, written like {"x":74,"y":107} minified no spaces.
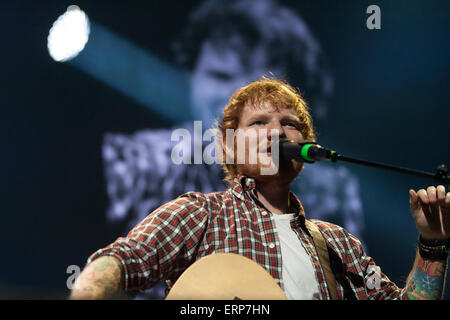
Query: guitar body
{"x":225,"y":276}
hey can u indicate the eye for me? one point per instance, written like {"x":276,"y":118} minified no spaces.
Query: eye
{"x":257,"y":123}
{"x":292,"y":125}
{"x":220,"y":75}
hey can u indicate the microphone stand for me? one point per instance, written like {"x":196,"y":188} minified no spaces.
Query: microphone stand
{"x":441,"y":175}
{"x":311,"y":152}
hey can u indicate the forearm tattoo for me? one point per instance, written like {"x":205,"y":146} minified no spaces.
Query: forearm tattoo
{"x":427,"y":280}
{"x":102,"y":279}
{"x":107,"y":275}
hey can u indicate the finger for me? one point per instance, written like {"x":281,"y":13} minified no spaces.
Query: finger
{"x":423,"y":196}
{"x":446,"y":214}
{"x":447,"y":200}
{"x":431,"y":193}
{"x":431,"y":214}
{"x":435,"y":220}
{"x":432,"y":197}
{"x":446,"y":206}
{"x":440,"y":190}
{"x":413,"y":200}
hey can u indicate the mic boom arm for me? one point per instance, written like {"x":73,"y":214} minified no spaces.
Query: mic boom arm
{"x":311,"y":152}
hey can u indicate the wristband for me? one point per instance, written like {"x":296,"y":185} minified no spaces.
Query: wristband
{"x":434,"y":249}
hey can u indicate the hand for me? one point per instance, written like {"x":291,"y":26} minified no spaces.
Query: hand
{"x":431,"y":211}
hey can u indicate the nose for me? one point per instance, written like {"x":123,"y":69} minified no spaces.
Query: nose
{"x":276,"y":131}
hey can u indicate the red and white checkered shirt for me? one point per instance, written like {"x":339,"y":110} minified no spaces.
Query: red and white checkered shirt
{"x":194,"y":225}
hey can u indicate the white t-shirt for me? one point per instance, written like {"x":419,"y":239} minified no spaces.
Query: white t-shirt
{"x":299,"y":278}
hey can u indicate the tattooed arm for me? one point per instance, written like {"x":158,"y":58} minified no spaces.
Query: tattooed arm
{"x":426,"y":280}
{"x":101,"y":279}
{"x":431,"y":211}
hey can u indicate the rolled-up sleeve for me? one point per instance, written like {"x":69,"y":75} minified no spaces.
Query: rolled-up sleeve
{"x":163,"y":245}
{"x":357,"y":274}
{"x":377,"y":284}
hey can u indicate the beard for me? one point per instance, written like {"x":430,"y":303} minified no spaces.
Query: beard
{"x":284,"y":173}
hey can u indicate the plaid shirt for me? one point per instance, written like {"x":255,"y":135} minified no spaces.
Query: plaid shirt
{"x":194,"y":225}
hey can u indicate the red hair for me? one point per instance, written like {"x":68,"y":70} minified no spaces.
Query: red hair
{"x":279,"y":94}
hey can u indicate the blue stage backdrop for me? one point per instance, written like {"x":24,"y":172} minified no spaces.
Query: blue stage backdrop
{"x":87,"y":142}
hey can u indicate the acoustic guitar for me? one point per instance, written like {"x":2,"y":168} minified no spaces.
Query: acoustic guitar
{"x":225,"y":276}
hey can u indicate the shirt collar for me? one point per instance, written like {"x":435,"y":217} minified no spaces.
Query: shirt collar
{"x":241,"y":185}
{"x":245,"y":185}
{"x":299,"y":213}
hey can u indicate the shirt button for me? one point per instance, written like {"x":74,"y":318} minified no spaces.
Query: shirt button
{"x":271,"y":245}
{"x":264,"y":213}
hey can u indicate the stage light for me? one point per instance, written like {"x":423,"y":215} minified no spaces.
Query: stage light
{"x":68,"y":35}
{"x":133,"y":71}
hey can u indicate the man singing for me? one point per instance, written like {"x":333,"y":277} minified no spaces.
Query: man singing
{"x":260,"y":218}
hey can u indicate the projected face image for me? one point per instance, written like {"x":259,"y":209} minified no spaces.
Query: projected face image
{"x":223,"y":67}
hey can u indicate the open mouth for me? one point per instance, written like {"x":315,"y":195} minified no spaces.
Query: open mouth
{"x":268,"y":150}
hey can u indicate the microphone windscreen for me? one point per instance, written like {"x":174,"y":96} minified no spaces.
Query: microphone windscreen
{"x":289,"y":150}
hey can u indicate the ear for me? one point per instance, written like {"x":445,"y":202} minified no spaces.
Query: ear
{"x":229,"y":151}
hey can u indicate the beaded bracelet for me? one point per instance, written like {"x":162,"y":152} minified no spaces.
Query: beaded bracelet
{"x":434,"y":249}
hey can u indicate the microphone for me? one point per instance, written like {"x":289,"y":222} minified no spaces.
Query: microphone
{"x":305,"y":152}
